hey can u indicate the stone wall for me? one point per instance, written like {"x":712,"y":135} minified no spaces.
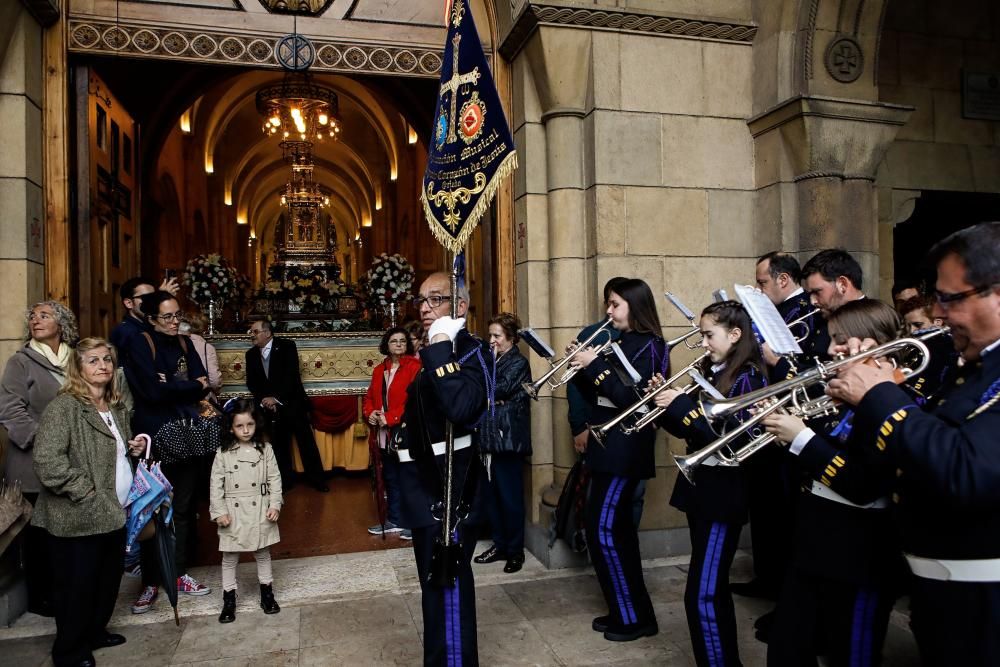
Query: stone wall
{"x":925,"y":48}
{"x":22,"y":249}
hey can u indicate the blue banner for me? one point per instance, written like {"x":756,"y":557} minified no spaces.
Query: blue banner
{"x":471,"y":150}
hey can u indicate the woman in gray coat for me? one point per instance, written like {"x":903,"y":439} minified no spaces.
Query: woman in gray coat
{"x":31,"y":380}
{"x":82,"y":462}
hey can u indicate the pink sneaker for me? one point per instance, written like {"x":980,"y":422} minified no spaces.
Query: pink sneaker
{"x":190,"y":586}
{"x":145,"y":600}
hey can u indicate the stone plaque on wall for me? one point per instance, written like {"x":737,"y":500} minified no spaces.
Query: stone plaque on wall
{"x":981,"y":95}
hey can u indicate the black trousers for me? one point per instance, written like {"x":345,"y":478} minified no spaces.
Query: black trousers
{"x":34,"y":546}
{"x":708,"y":602}
{"x":449,"y":614}
{"x":184,"y":476}
{"x":772,"y":516}
{"x":613,"y":542}
{"x":85,"y":573}
{"x":955,"y":622}
{"x":293,"y":419}
{"x":505,"y":502}
{"x":846,"y":622}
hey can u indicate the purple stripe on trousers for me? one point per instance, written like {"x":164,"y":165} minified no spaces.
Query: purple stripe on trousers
{"x":606,"y":541}
{"x":706,"y":592}
{"x":626,"y":593}
{"x":865,"y":605}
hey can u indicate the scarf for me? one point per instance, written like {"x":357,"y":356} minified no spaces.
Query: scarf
{"x":58,"y":359}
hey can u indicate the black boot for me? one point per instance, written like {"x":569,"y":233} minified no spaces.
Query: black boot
{"x":228,"y":614}
{"x":267,"y":601}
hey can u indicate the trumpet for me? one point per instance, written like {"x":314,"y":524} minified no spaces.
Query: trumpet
{"x":601,"y":432}
{"x":684,"y":338}
{"x":532,"y":388}
{"x":805,"y":325}
{"x":792,"y":396}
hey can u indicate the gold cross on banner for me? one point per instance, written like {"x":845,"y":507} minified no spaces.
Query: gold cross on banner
{"x":451,"y":86}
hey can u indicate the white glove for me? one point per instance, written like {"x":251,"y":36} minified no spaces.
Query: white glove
{"x":447,"y":326}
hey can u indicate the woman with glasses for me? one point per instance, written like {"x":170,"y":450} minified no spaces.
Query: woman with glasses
{"x":31,"y":380}
{"x":383,"y":410}
{"x":167,"y":380}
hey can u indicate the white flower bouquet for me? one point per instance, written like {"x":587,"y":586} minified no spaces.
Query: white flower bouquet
{"x":390,"y":279}
{"x":209,"y":278}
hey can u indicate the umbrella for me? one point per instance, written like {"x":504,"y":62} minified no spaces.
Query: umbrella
{"x":149,"y":490}
{"x":164,"y":543}
{"x":378,"y":480}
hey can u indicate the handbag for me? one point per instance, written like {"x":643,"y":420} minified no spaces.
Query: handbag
{"x":188,"y":438}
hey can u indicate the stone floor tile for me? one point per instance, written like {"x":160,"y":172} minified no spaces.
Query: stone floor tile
{"x":150,"y":645}
{"x":27,"y":652}
{"x":278,"y":659}
{"x":331,"y":622}
{"x":249,"y":635}
{"x":396,"y":645}
{"x":412,"y":600}
{"x":494,"y":605}
{"x":556,"y":597}
{"x":513,"y":644}
{"x":575,"y":643}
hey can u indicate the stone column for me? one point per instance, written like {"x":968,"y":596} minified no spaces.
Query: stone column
{"x":22,"y":246}
{"x":816,"y":159}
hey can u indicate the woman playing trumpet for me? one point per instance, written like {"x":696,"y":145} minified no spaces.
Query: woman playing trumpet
{"x":622,"y":460}
{"x":845,"y":562}
{"x":716,"y":506}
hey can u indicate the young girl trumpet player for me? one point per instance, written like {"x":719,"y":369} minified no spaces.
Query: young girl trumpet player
{"x":846,"y":563}
{"x":716,"y":505}
{"x":621,"y":461}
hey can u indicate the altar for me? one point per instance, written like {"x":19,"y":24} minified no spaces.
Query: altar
{"x":336,"y":370}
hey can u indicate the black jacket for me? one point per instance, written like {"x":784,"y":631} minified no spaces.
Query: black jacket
{"x":508,"y":425}
{"x":125,"y":331}
{"x":160,"y":401}
{"x":444,"y":390}
{"x":622,"y":455}
{"x":284,"y":381}
{"x":948,"y":459}
{"x":719,"y":492}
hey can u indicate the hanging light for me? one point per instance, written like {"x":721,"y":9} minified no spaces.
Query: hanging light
{"x":299,"y":107}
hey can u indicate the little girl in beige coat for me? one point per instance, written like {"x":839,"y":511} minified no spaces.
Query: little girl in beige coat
{"x":245,"y":503}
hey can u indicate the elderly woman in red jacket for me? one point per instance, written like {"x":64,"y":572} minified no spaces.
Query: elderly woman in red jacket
{"x":383,"y":408}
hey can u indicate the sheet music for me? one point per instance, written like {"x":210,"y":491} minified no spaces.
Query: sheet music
{"x":685,"y":311}
{"x":769,"y":322}
{"x":536,"y":343}
{"x":625,"y":365}
{"x":706,"y":386}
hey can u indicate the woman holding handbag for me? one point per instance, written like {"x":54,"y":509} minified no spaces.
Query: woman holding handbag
{"x":168,"y":381}
{"x":383,"y":409}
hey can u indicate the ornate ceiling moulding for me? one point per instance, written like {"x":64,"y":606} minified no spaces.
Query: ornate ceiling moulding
{"x":303,"y":7}
{"x":142,"y":41}
{"x":535,"y":14}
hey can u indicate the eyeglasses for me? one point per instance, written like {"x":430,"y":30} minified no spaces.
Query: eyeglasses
{"x":432,"y":301}
{"x":254,"y":332}
{"x":170,"y":317}
{"x":397,"y":341}
{"x":945,"y":298}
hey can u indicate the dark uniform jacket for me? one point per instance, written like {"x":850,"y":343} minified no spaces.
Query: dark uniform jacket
{"x":940,"y":368}
{"x":621,"y":455}
{"x":444,"y":390}
{"x":283,"y":380}
{"x":835,"y":540}
{"x":815,"y":344}
{"x":508,"y":426}
{"x":158,"y":401}
{"x":948,"y":460}
{"x":719,"y":492}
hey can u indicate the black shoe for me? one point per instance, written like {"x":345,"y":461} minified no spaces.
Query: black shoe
{"x":491,"y":555}
{"x":267,"y":601}
{"x":107,"y":640}
{"x":86,"y":662}
{"x":228,"y":614}
{"x":630,"y":633}
{"x":763,"y":626}
{"x":754,"y":589}
{"x":514,"y":563}
{"x":601,"y":623}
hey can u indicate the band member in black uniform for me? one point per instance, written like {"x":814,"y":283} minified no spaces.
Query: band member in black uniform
{"x":948,"y":459}
{"x":623,"y":460}
{"x":716,"y":505}
{"x":832,"y":278}
{"x":846,"y":564}
{"x":772,"y":485}
{"x":918,"y":316}
{"x":451,"y":387}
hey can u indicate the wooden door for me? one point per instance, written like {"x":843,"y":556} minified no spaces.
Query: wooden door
{"x":107,"y":207}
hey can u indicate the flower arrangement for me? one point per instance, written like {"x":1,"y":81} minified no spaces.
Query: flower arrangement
{"x":307,"y":287}
{"x":389,"y":280}
{"x":209,"y":278}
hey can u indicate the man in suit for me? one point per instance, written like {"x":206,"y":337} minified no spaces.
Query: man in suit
{"x":273,"y":379}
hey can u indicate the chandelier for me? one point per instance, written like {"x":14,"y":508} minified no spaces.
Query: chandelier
{"x":299,"y":110}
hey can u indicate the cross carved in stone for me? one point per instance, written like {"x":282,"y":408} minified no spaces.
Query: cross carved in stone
{"x":451,"y":86}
